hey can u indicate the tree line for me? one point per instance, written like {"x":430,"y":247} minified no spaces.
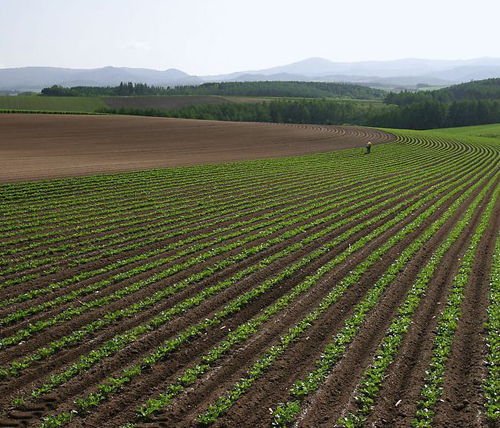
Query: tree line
{"x":487,"y":89}
{"x":283,"y":89}
{"x":123,"y":89}
{"x":252,"y":89}
{"x":426,"y":115}
{"x":318,"y":111}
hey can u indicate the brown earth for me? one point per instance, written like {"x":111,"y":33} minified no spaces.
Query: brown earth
{"x":42,"y":146}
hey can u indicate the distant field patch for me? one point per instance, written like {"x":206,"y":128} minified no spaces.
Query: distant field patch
{"x":486,"y":131}
{"x":84,"y":104}
{"x":161,"y":103}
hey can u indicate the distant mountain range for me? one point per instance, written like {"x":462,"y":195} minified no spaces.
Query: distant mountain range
{"x":36,"y":78}
{"x":405,"y":73}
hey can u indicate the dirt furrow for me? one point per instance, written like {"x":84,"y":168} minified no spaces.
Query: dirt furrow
{"x":198,"y":314}
{"x":463,"y":397}
{"x":299,"y":359}
{"x":235,"y":363}
{"x":136,"y":350}
{"x":401,"y":389}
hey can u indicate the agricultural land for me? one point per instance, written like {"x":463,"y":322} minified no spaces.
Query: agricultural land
{"x":272,"y":276}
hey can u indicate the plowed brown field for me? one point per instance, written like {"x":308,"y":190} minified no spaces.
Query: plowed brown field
{"x":49,"y":146}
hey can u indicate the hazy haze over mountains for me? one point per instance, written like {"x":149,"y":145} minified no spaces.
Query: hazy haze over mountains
{"x":404,"y":73}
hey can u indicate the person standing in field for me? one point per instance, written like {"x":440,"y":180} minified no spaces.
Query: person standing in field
{"x":368,"y":147}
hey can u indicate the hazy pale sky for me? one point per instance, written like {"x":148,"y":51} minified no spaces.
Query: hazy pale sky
{"x":220,"y":36}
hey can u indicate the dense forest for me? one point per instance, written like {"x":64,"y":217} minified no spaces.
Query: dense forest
{"x":124,"y":89}
{"x":250,"y":89}
{"x":426,"y":115}
{"x":283,"y":89}
{"x":488,"y":89}
{"x":319,"y":111}
{"x":472,"y":103}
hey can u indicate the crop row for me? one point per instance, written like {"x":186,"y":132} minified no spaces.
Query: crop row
{"x":492,"y":381}
{"x":221,"y":212}
{"x":286,"y":412}
{"x":373,"y":377}
{"x":23,"y":334}
{"x":296,"y":216}
{"x":359,"y":193}
{"x":114,"y":252}
{"x":448,"y":323}
{"x":199,"y":298}
{"x":168,"y":349}
{"x":186,"y":180}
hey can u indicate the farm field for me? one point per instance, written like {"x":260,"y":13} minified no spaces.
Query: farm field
{"x":49,"y":146}
{"x":93,"y":104}
{"x":321,"y":290}
{"x":56,"y":104}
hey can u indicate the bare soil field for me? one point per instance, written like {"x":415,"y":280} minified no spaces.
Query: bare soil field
{"x":50,"y":146}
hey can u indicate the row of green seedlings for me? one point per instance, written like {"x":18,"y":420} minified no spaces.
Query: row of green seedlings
{"x":433,"y":141}
{"x":368,"y":201}
{"x":23,"y":313}
{"x":52,"y":250}
{"x":442,"y":145}
{"x":188,"y":180}
{"x":492,"y":381}
{"x":95,"y":399}
{"x":120,"y":314}
{"x":190,"y":375}
{"x":78,"y":185}
{"x":287,"y":412}
{"x":171,"y":345}
{"x":23,"y":334}
{"x":455,"y":147}
{"x":448,"y":324}
{"x":124,"y":180}
{"x":217,"y":211}
{"x":295,"y":214}
{"x":94,"y":203}
{"x":91,"y":217}
{"x":131,"y":183}
{"x":41,"y":291}
{"x":109,"y":201}
{"x":155,"y":405}
{"x":117,"y":251}
{"x":175,"y":204}
{"x":168,"y":215}
{"x":137,"y":245}
{"x":58,"y":219}
{"x":373,"y":377}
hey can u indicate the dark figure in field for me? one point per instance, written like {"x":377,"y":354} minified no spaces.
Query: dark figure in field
{"x":368,"y":147}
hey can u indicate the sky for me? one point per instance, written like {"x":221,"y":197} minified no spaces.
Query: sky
{"x":203,"y":37}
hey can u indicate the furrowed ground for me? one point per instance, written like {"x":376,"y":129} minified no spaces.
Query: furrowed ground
{"x":335,"y":289}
